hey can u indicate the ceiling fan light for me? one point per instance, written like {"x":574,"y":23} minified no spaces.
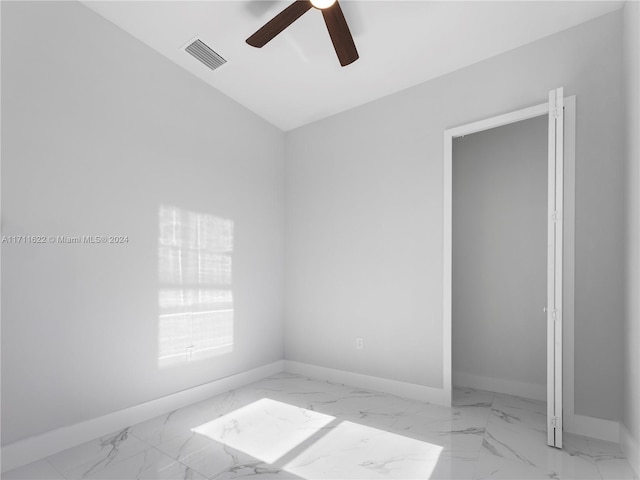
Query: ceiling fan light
{"x":322,"y":4}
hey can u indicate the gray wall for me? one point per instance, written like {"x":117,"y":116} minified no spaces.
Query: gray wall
{"x":631,"y":401}
{"x":499,"y":222}
{"x":364,"y":215}
{"x":98,"y":132}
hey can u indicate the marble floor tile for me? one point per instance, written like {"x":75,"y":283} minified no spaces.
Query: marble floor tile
{"x":522,"y":442}
{"x":203,"y":455}
{"x":148,"y":465}
{"x":253,"y":436}
{"x":39,"y":470}
{"x":574,"y":461}
{"x":610,"y":460}
{"x":454,"y":465}
{"x":292,"y":427}
{"x":469,"y":397}
{"x":492,"y":467}
{"x":265,"y":429}
{"x":81,"y":461}
{"x":173,"y":424}
{"x":352,"y":450}
{"x":355,"y":403}
{"x":517,"y":409}
{"x":255,"y":469}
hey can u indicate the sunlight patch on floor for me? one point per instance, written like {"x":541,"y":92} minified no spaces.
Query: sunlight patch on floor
{"x":265,"y":429}
{"x":359,"y":451}
{"x":309,"y":443}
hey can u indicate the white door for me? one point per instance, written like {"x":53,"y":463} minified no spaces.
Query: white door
{"x":554,"y":268}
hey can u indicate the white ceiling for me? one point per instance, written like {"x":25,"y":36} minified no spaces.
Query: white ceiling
{"x":296,"y":78}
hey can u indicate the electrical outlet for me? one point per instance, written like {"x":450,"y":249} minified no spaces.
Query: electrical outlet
{"x":359,"y":343}
{"x":190,"y":350}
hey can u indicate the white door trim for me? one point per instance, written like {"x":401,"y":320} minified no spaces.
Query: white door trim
{"x":554,"y":310}
{"x":568,"y":241}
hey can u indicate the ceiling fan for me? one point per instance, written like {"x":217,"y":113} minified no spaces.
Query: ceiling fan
{"x":333,"y":18}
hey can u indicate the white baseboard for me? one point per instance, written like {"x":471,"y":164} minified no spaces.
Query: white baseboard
{"x":393,"y":387}
{"x":509,"y":387}
{"x":35,"y":448}
{"x":631,"y":448}
{"x":608,"y":430}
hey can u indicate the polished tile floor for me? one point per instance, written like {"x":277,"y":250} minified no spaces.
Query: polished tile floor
{"x":288,"y":426}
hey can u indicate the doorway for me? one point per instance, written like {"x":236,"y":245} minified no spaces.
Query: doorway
{"x":559,"y":114}
{"x":499,"y":272}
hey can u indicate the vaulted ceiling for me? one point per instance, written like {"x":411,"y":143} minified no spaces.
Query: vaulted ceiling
{"x":296,"y":78}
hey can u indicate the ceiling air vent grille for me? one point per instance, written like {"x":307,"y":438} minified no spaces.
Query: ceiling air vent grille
{"x":202,"y":52}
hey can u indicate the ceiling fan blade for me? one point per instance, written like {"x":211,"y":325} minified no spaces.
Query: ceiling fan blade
{"x":278,"y":23}
{"x":340,"y":34}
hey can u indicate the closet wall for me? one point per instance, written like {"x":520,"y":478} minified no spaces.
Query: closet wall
{"x":499,"y":258}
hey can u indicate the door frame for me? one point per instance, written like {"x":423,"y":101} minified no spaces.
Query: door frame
{"x":555,"y":232}
{"x":568,"y":242}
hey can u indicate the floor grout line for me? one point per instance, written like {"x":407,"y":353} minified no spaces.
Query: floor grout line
{"x":46,"y":459}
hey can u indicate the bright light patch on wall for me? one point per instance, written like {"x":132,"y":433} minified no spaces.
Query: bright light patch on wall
{"x":195,"y":298}
{"x":265,"y":429}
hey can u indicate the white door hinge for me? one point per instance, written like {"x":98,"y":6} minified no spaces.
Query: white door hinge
{"x":556,"y":112}
{"x":555,"y":216}
{"x":555,"y":422}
